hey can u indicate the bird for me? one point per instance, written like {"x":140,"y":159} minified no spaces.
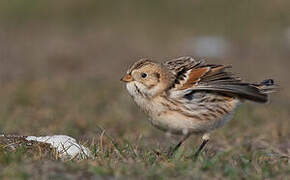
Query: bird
{"x":186,"y":95}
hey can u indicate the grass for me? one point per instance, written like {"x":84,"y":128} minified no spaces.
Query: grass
{"x":60,"y":65}
{"x":253,"y":145}
{"x":118,"y":158}
{"x":132,"y":149}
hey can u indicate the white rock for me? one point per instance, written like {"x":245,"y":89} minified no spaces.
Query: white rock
{"x":66,"y":146}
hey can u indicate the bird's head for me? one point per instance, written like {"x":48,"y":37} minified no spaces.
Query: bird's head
{"x":147,"y":78}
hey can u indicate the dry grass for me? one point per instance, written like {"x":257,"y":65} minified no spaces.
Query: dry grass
{"x":60,"y":71}
{"x":254,"y":145}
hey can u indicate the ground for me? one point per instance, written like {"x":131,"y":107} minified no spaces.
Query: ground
{"x":60,"y":66}
{"x":254,"y":145}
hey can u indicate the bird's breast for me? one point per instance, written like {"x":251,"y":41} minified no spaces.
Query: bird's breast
{"x":183,"y":117}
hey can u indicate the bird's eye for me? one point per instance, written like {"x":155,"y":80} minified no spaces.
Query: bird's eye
{"x":143,"y":75}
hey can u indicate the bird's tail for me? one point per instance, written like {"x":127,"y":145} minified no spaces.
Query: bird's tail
{"x":267,"y":86}
{"x":263,"y":88}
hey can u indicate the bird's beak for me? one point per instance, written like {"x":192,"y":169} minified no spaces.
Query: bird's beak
{"x":127,"y":78}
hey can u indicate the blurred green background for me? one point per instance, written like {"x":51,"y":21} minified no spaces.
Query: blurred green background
{"x":60,"y":65}
{"x":61,"y":61}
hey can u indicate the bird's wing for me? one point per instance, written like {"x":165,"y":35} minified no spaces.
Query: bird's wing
{"x":196,"y":75}
{"x":181,"y":64}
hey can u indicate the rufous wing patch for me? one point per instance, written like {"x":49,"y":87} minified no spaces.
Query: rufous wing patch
{"x":193,"y":76}
{"x":216,"y":70}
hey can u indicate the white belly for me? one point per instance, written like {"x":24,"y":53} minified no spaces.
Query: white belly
{"x":175,"y":122}
{"x":178,"y":123}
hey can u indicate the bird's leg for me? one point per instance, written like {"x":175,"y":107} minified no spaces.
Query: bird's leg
{"x":176,"y":147}
{"x":205,"y":139}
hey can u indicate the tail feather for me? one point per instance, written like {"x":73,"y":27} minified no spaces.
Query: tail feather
{"x":267,"y":82}
{"x":253,"y":92}
{"x":267,"y":86}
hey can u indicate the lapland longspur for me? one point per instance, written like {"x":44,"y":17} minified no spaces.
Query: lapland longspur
{"x":185,"y":96}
